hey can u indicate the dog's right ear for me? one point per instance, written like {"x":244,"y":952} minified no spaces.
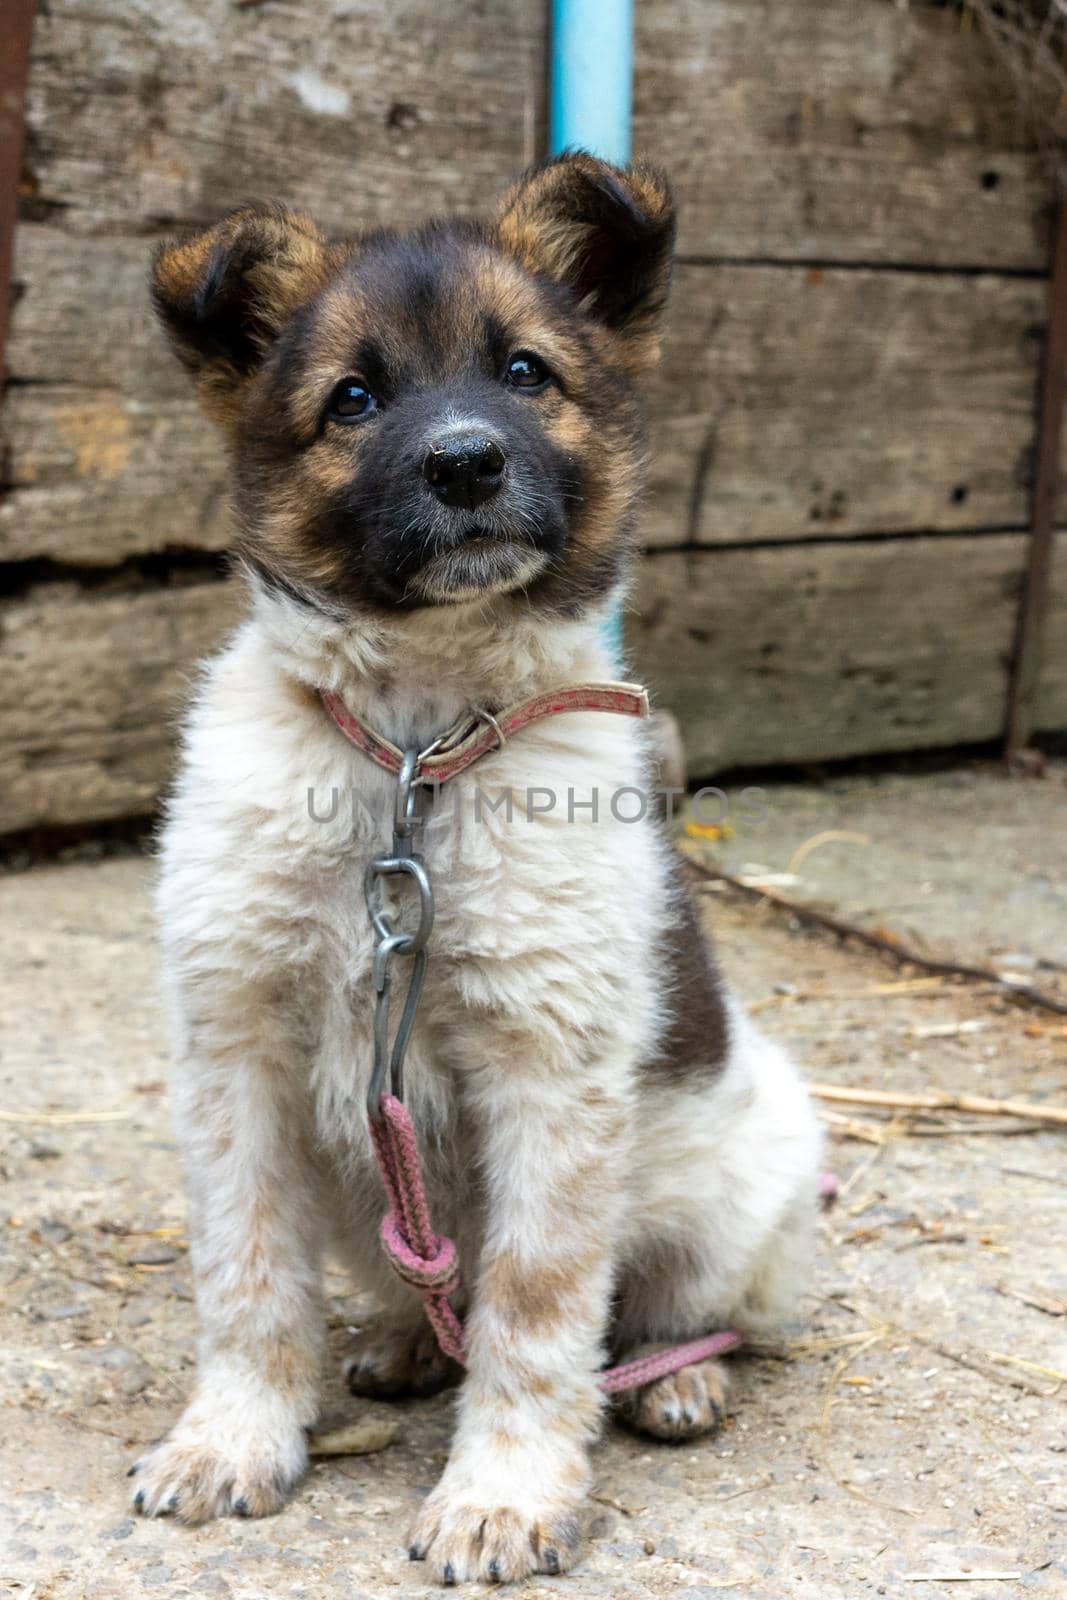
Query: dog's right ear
{"x":224,"y":294}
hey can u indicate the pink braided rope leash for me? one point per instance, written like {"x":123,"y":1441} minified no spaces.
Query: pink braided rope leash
{"x":424,"y":1259}
{"x":428,"y":1261}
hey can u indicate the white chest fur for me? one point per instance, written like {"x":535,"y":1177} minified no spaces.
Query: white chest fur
{"x":544,"y":885}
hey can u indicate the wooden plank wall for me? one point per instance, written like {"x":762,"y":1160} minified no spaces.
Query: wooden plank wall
{"x":842,"y":425}
{"x":845,"y":419}
{"x":142,"y":120}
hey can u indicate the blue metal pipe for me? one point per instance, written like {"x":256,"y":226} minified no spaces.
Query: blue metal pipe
{"x":591,"y":86}
{"x":591,"y":104}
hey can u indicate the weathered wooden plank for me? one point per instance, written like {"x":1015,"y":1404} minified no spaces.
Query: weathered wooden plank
{"x":791,"y":402}
{"x":361,"y":113}
{"x":820,"y":128}
{"x":795,"y":402}
{"x":107,"y":453}
{"x":101,"y":474}
{"x":809,"y":653}
{"x":767,"y":655}
{"x":844,"y":130}
{"x":82,"y":315}
{"x":90,"y":683}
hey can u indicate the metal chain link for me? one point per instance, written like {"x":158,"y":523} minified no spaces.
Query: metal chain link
{"x":402,"y":862}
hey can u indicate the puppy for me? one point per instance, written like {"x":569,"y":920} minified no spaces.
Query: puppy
{"x":436,"y":448}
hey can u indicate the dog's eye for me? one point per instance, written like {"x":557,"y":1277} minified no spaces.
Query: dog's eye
{"x":526,"y":371}
{"x":351,"y":401}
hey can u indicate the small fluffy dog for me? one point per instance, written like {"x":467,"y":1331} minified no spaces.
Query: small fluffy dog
{"x":436,"y":449}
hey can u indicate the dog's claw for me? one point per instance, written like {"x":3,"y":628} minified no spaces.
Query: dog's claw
{"x":551,"y":1560}
{"x":449,"y":1575}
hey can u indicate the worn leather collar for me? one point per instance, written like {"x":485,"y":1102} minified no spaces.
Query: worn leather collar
{"x":477,"y":732}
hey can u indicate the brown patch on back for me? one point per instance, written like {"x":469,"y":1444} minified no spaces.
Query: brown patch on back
{"x":695,"y":1045}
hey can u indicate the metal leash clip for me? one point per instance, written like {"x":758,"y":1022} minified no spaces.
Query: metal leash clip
{"x":401,"y":862}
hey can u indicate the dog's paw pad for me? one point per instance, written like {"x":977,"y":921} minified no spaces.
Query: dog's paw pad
{"x":466,"y":1543}
{"x":385,"y":1363}
{"x":683,"y":1405}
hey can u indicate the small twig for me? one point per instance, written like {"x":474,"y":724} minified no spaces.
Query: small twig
{"x":932,"y":1238}
{"x":995,"y":1444}
{"x":856,"y":1128}
{"x":59,"y":1119}
{"x":870,"y":1338}
{"x":934,"y":986}
{"x":77,"y":1420}
{"x":937,"y":1100}
{"x":1050,"y":1306}
{"x":817,"y":840}
{"x":961,"y":1577}
{"x":974,"y":1363}
{"x":1006,"y":1128}
{"x":901,"y":953}
{"x":1029,"y":1366}
{"x":764,"y":1483}
{"x":865,"y":1166}
{"x":617,"y":1505}
{"x":103,"y":1284}
{"x":1038,"y":1177}
{"x":797,"y":1349}
{"x":962,"y":1358}
{"x":948,"y":1030}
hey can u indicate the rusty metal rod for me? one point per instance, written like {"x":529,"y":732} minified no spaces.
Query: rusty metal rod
{"x":16,"y":32}
{"x":1033,"y":601}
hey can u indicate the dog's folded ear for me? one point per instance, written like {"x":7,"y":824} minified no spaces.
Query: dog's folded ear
{"x":224,"y":293}
{"x":606,"y":232}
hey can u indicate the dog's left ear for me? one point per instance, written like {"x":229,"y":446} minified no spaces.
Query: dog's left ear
{"x":606,"y":232}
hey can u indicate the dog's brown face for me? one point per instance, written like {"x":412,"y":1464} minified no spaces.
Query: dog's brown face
{"x":425,"y":418}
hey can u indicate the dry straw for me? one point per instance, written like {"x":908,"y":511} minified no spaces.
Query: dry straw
{"x":1029,"y":38}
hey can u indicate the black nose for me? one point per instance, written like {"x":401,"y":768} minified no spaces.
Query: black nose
{"x":464,"y":469}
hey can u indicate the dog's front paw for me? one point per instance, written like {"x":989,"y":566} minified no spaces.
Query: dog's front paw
{"x":467,"y":1539}
{"x":215,"y":1464}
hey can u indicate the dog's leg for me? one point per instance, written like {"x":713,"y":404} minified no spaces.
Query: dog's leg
{"x":724,"y":1230}
{"x":686,"y":1298}
{"x":552,"y":1143}
{"x":241,"y":1445}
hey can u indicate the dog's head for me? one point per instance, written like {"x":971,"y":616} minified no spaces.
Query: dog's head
{"x":432,"y":417}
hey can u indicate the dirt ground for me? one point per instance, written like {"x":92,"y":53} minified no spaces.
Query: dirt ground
{"x":914,"y":1426}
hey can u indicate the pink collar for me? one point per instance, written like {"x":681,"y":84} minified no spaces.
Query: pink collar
{"x":477,"y":732}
